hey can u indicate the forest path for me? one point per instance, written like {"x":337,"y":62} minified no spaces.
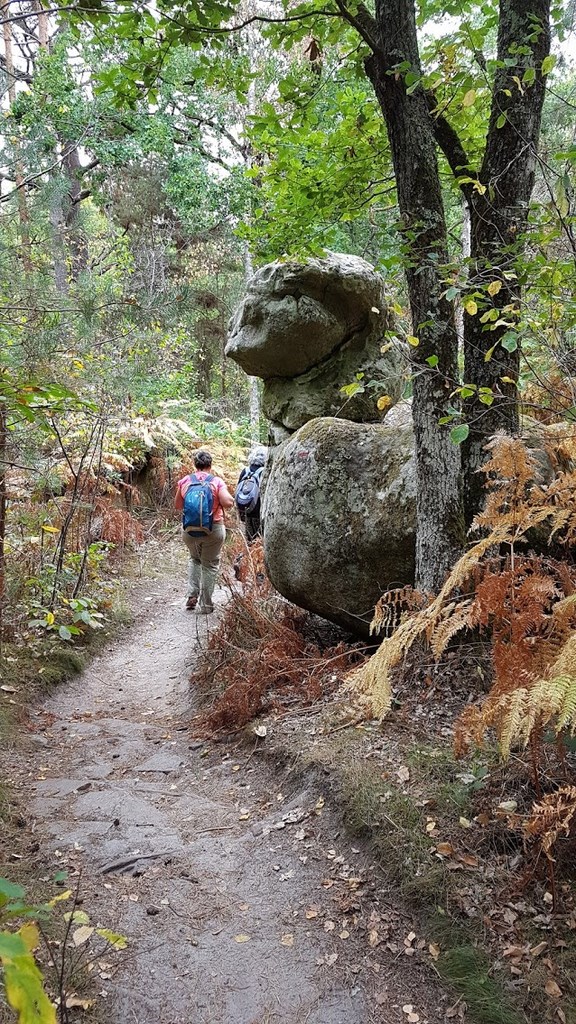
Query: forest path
{"x":241,"y":900}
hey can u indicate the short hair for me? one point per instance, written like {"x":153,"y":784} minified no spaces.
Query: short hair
{"x":202,"y":459}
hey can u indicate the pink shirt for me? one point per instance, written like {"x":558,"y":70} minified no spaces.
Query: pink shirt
{"x":215,"y":484}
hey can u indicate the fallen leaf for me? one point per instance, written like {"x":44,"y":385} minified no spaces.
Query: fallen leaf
{"x":344,"y":934}
{"x":287,"y":939}
{"x":331,"y":959}
{"x":373,"y":938}
{"x":434,"y":950}
{"x":536,"y":950}
{"x":260,"y":730}
{"x":241,"y":938}
{"x":445,"y":849}
{"x":82,"y":1004}
{"x":409,"y":938}
{"x":430,"y":826}
{"x":509,"y":806}
{"x":244,"y":906}
{"x":8,"y":689}
{"x":329,"y":926}
{"x":311,"y":914}
{"x":82,"y":934}
{"x":552,"y":989}
{"x":468,"y":860}
{"x":403,"y":773}
{"x":514,"y":951}
{"x":407,"y":1008}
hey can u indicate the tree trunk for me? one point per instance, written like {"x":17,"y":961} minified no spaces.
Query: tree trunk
{"x":498,"y":221}
{"x":23,"y":213}
{"x":440,"y":535}
{"x":72,"y":169}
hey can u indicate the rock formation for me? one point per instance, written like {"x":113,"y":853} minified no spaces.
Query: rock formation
{"x":340,"y":493}
{"x":339,"y":513}
{"x":308,"y":329}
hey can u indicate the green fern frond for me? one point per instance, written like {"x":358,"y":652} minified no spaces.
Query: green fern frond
{"x":565,"y":691}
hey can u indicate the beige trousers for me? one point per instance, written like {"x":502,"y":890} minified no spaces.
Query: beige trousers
{"x":204,"y":562}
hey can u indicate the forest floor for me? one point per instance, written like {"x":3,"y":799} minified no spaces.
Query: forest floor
{"x":240,"y":895}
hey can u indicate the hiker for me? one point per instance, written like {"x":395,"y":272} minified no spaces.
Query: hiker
{"x":202,"y":499}
{"x":247,"y":495}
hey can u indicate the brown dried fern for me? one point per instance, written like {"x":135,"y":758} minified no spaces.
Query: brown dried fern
{"x":525,"y":604}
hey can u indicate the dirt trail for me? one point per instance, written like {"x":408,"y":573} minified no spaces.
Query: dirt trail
{"x":206,"y":862}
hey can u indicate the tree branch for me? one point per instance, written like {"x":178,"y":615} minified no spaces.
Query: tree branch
{"x":209,"y":123}
{"x":363,"y":22}
{"x":448,"y":140}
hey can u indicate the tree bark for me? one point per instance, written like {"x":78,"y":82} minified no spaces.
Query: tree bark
{"x":439,"y":515}
{"x":23,"y":213}
{"x":499,"y":216}
{"x":73,"y":169}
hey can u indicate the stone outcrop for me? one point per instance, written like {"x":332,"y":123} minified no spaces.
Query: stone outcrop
{"x":339,"y":512}
{"x":308,"y":329}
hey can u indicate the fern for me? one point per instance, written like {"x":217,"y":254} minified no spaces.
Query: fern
{"x":551,"y":817}
{"x":525,"y":604}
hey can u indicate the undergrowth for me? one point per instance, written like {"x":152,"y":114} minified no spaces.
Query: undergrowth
{"x":524,"y":604}
{"x":262,"y":654}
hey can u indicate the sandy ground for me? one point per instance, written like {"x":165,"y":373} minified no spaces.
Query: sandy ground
{"x":241,"y":899}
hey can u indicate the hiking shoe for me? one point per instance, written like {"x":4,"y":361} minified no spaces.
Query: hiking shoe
{"x":205,"y":609}
{"x":191,"y":602}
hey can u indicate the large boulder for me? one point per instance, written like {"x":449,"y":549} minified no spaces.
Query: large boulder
{"x":308,"y":329}
{"x":339,"y":517}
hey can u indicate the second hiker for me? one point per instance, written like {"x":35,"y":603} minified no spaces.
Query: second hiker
{"x":247,"y":496}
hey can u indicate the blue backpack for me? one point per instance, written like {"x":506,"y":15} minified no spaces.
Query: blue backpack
{"x":198,"y":512}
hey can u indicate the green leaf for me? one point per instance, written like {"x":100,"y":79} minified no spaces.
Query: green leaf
{"x":451,"y":293}
{"x":460,"y":433}
{"x":509,"y":341}
{"x":432,"y":360}
{"x":501,"y":121}
{"x":25,"y":992}
{"x":116,"y":940}
{"x":22,"y":978}
{"x":64,"y":633}
{"x":10,"y":891}
{"x":548,"y":64}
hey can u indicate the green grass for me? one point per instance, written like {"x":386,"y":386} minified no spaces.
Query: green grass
{"x":468,"y":972}
{"x":395,"y":827}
